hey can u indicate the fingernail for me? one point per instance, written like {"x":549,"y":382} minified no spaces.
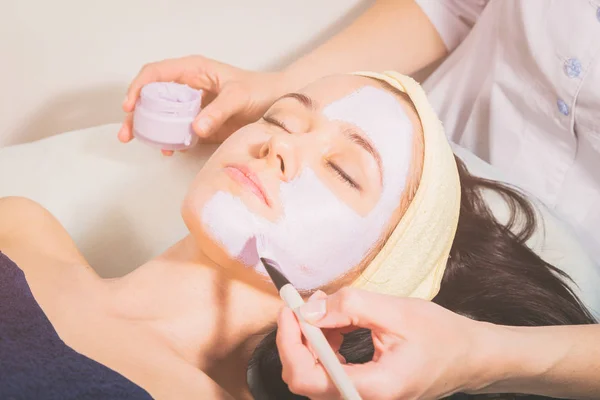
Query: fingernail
{"x":203,"y":126}
{"x":318,"y":295}
{"x":313,"y":297}
{"x":125,"y":100}
{"x":313,"y":310}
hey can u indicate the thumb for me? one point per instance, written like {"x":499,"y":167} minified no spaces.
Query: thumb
{"x":353,"y":308}
{"x":228,"y":102}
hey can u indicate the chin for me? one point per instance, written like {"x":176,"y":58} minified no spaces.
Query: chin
{"x":191,"y":213}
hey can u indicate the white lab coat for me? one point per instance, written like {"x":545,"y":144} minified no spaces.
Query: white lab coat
{"x":521,"y":90}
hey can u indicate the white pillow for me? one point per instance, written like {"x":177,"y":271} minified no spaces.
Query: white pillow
{"x":554,"y":240}
{"x":121,"y":203}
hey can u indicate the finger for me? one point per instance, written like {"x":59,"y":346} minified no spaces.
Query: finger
{"x":334,"y":337}
{"x":229,"y":101}
{"x":167,"y":153}
{"x":353,"y":307}
{"x":292,"y":349}
{"x":126,"y":132}
{"x":306,"y":343}
{"x":299,"y":370}
{"x":306,"y":378}
{"x":372,"y":380}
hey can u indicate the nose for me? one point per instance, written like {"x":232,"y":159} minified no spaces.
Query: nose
{"x":281,"y":154}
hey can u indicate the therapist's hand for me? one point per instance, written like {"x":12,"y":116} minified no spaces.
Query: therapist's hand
{"x":232,"y":98}
{"x":422,"y":351}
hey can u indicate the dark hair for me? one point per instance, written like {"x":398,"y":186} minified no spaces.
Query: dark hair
{"x":491,"y":276}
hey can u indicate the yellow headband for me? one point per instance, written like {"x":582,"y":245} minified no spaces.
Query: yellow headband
{"x":413,"y":260}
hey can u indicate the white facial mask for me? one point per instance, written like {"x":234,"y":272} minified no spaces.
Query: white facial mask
{"x":319,"y":237}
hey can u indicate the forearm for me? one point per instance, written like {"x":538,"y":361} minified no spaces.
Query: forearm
{"x":557,"y":361}
{"x":391,"y":35}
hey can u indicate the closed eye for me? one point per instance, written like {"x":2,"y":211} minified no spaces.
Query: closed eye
{"x":273,"y":121}
{"x":343,"y":176}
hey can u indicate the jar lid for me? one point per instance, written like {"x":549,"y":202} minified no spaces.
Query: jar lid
{"x":164,"y":114}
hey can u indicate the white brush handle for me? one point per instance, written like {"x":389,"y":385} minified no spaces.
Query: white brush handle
{"x":319,"y":343}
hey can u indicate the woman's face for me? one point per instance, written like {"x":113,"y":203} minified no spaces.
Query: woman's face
{"x":319,"y":179}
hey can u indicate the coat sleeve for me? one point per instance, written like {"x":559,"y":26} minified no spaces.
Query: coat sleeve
{"x":453,"y":19}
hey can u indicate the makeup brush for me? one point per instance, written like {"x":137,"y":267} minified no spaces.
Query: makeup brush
{"x":313,"y":335}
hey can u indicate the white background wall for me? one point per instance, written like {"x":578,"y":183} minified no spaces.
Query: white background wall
{"x":65,"y":64}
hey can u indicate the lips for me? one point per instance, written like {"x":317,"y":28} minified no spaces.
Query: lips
{"x":248,"y":179}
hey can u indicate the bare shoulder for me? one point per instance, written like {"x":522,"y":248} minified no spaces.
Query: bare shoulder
{"x":28,"y":232}
{"x":9,"y":206}
{"x":20,"y":216}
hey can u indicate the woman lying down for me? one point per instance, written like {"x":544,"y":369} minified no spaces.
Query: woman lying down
{"x":351,"y":182}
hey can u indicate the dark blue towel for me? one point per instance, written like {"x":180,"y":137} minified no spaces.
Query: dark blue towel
{"x":35,"y":363}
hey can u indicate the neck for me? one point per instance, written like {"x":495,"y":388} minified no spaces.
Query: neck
{"x":206,"y":313}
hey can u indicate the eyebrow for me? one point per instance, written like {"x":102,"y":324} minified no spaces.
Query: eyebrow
{"x":352,"y":135}
{"x":349,"y":133}
{"x":302,"y":98}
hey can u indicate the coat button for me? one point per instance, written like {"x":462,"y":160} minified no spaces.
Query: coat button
{"x":572,"y":68}
{"x":562,"y":107}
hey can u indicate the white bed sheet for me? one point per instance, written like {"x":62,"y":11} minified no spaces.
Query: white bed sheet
{"x":119,"y":202}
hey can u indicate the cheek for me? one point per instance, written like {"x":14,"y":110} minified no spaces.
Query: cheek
{"x":210,"y":179}
{"x":206,"y":183}
{"x":320,"y":238}
{"x":193,"y":203}
{"x":246,"y":138}
{"x":210,"y":183}
{"x":240,"y":145}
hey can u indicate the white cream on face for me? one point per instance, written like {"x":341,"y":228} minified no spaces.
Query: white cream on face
{"x":319,"y":238}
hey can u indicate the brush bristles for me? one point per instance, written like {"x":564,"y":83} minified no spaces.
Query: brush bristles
{"x":272,"y":267}
{"x":262,"y":247}
{"x":275,"y":273}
